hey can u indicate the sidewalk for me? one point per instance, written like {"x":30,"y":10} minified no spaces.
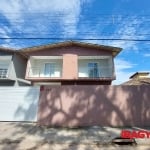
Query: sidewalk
{"x":29,"y":136}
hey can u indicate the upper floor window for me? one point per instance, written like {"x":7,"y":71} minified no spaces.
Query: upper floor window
{"x":93,"y":70}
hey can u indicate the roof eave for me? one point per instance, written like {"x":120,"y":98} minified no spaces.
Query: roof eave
{"x":9,"y":50}
{"x":115,"y":50}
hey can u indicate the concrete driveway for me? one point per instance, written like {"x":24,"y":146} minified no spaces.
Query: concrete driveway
{"x":29,"y":136}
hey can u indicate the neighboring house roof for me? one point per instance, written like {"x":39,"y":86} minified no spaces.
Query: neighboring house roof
{"x":139,"y":78}
{"x":114,"y":50}
{"x":145,"y":81}
{"x":138,"y":74}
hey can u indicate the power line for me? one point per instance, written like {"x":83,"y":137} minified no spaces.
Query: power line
{"x":92,"y":39}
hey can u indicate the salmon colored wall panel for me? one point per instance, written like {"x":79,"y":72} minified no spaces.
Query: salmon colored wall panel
{"x":70,"y":66}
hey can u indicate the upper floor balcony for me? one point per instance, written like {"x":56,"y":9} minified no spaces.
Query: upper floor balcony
{"x":95,"y":67}
{"x":44,"y":67}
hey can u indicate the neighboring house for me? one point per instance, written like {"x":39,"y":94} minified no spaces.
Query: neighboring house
{"x":70,"y":63}
{"x":139,"y":78}
{"x":12,"y":68}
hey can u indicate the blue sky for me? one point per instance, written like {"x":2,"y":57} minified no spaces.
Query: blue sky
{"x":81,"y":19}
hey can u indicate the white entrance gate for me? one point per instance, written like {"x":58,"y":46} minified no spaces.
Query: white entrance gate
{"x":19,"y":103}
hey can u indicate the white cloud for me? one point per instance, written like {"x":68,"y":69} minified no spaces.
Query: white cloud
{"x":4,"y":33}
{"x":122,"y":77}
{"x":122,"y":64}
{"x":36,"y":15}
{"x":127,"y":30}
{"x":122,"y":73}
{"x":147,"y":55}
{"x":11,"y":9}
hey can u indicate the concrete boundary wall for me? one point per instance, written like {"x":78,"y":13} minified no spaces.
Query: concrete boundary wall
{"x":94,"y":105}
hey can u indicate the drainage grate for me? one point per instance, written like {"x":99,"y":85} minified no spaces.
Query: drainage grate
{"x":123,"y":141}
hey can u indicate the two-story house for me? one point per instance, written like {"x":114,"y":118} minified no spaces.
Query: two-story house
{"x":70,"y":63}
{"x":12,"y":68}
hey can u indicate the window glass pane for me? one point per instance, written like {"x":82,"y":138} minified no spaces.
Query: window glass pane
{"x":3,"y":73}
{"x":49,"y":69}
{"x":93,"y":69}
{"x":3,"y":69}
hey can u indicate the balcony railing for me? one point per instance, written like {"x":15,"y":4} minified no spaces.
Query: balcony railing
{"x":95,"y":72}
{"x":37,"y":72}
{"x":3,"y":73}
{"x":84,"y":72}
